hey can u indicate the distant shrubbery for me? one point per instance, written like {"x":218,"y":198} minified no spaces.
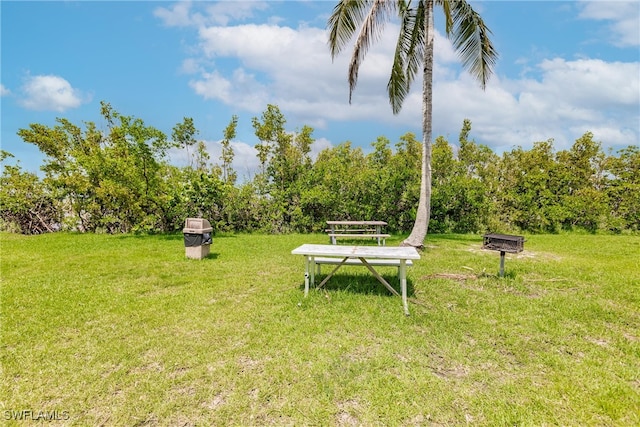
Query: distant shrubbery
{"x":120,"y":181}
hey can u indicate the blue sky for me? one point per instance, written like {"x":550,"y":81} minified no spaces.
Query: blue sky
{"x":565,"y":68}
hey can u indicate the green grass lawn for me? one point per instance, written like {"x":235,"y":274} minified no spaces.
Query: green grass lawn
{"x":124,"y":330}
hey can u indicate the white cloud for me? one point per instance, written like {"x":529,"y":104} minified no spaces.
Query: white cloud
{"x":221,"y":13}
{"x":623,"y":15}
{"x":245,"y":160}
{"x":296,"y":73}
{"x":569,"y":99}
{"x":191,"y":66}
{"x":592,"y":82}
{"x":49,"y":93}
{"x":213,"y":86}
{"x":181,"y":14}
{"x":319,"y":145}
{"x":4,"y":91}
{"x":240,"y":89}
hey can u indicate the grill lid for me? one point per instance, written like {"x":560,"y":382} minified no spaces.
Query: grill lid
{"x":503,"y":242}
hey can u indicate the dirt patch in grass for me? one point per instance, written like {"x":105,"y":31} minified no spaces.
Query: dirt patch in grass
{"x":449,"y":373}
{"x":247,"y":364}
{"x":150,"y":367}
{"x":442,"y":369}
{"x":345,"y":415}
{"x":217,"y":401}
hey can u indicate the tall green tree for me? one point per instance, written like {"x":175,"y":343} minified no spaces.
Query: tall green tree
{"x":461,"y":197}
{"x":414,"y":49}
{"x":108,"y":180}
{"x":392,"y":180}
{"x":184,"y":136}
{"x":73,"y":167}
{"x":133,"y":182}
{"x":529,"y":193}
{"x":478,"y":171}
{"x":336,"y":185}
{"x":284,"y":157}
{"x":582,"y":181}
{"x":229,"y":176}
{"x":274,"y":141}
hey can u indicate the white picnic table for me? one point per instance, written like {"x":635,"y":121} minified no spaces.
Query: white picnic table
{"x":358,"y":255}
{"x":371,"y":229}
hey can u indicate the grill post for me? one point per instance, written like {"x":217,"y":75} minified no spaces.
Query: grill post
{"x":503,"y":243}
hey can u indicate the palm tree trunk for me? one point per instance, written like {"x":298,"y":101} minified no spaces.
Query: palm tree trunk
{"x":421,"y":225}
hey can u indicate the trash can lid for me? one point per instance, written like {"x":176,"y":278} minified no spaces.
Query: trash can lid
{"x":196,"y":225}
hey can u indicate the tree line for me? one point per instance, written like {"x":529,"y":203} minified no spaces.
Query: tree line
{"x":120,"y":180}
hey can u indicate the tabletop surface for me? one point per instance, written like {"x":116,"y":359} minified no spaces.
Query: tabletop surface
{"x":356,"y":223}
{"x":400,"y":252}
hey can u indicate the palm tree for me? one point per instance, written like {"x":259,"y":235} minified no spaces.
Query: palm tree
{"x":414,"y":48}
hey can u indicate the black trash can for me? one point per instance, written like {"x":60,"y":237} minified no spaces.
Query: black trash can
{"x":197,"y":237}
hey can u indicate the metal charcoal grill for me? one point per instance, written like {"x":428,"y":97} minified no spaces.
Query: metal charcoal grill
{"x":503,"y":243}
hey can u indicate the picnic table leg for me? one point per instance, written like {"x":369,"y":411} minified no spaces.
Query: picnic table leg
{"x":379,"y":277}
{"x":403,"y":285}
{"x":306,"y":275}
{"x":331,"y":274}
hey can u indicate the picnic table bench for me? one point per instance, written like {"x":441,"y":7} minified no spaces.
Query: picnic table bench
{"x":357,"y":230}
{"x":368,"y":256}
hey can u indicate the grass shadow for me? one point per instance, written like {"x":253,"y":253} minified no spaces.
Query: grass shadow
{"x":365,"y":284}
{"x":210,"y":256}
{"x":508,"y":275}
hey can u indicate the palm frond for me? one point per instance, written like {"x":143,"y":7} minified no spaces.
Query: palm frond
{"x":446,"y":8}
{"x":408,"y":54}
{"x":415,"y":53}
{"x":471,"y":39}
{"x":370,"y":31}
{"x":347,"y":15}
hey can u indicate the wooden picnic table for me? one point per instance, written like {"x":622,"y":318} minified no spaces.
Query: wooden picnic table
{"x":358,"y":255}
{"x":356,"y":230}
